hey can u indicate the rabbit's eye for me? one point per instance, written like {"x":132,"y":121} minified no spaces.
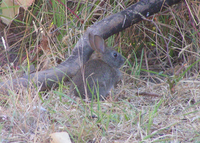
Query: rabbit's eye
{"x":115,"y":55}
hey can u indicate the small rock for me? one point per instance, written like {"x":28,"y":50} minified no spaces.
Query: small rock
{"x":60,"y":137}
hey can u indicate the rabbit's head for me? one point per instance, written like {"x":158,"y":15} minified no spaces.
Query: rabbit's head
{"x":108,"y":55}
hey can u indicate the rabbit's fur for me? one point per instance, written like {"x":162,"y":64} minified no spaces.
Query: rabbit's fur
{"x":100,"y":74}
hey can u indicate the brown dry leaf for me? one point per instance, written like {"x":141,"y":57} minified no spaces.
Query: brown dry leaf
{"x":43,"y":48}
{"x":10,"y":9}
{"x":24,"y":3}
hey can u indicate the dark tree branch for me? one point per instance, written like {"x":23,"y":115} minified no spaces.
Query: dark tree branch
{"x":82,"y":51}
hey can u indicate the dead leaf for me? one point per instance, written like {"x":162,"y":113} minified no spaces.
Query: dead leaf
{"x":10,"y":9}
{"x":24,"y":3}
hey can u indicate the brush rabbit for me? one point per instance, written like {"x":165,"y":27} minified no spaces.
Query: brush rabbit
{"x":100,"y":74}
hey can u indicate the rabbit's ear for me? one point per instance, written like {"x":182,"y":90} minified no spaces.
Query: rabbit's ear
{"x":99,"y":43}
{"x":91,"y":41}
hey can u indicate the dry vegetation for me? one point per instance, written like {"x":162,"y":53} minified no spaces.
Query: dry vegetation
{"x":157,"y":101}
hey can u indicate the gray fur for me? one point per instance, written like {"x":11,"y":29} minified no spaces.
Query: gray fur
{"x":100,"y":73}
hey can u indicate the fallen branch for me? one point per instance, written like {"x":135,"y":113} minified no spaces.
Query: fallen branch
{"x":82,"y":51}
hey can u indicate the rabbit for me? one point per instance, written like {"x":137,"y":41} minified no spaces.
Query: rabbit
{"x":100,"y":74}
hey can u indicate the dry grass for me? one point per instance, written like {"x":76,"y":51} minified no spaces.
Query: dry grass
{"x":162,"y":59}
